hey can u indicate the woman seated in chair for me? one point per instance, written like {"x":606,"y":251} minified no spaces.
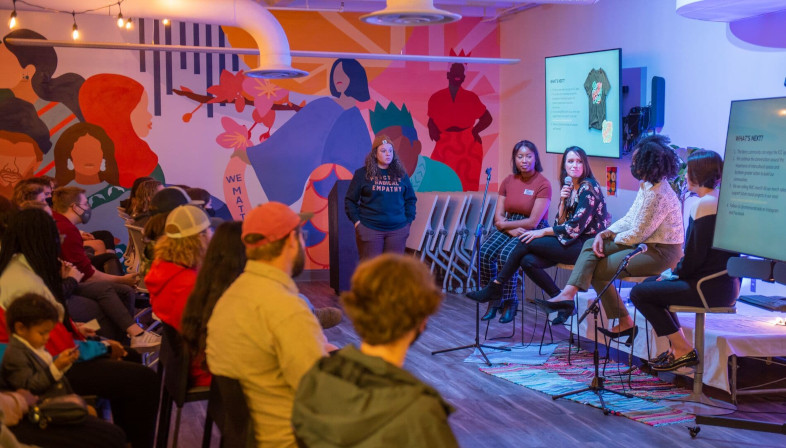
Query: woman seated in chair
{"x":582,"y":214}
{"x":679,"y":287}
{"x":654,"y":219}
{"x":522,"y":204}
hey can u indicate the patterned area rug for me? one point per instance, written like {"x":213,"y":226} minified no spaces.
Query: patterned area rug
{"x":556,"y":376}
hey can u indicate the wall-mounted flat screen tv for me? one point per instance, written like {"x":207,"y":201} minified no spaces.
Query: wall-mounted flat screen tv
{"x":584,"y":102}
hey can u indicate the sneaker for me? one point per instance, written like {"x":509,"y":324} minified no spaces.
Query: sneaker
{"x":146,"y":340}
{"x":328,"y":317}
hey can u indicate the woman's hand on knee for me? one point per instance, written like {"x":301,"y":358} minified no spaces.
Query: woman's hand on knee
{"x":597,"y":245}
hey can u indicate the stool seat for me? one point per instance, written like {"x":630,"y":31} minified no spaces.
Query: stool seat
{"x":702,"y":310}
{"x":634,"y":279}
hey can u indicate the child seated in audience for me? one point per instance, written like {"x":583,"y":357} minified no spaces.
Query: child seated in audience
{"x":26,"y":363}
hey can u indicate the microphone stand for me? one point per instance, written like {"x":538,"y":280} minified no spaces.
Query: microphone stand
{"x":597,"y":386}
{"x":476,"y":259}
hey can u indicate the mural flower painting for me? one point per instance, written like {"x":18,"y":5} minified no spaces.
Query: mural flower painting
{"x":229,"y":89}
{"x":264,"y":92}
{"x":235,"y":135}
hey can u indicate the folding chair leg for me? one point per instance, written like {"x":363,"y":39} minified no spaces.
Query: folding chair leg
{"x":163,"y":421}
{"x":208,"y":434}
{"x":177,"y":426}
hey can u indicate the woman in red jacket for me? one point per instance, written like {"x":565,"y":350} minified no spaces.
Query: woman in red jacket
{"x":172,"y":276}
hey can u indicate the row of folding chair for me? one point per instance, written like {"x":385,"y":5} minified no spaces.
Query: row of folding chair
{"x":443,"y":233}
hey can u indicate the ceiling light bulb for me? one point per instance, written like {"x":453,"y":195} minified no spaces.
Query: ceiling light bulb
{"x":75,"y":32}
{"x":121,"y":22}
{"x":12,"y":21}
{"x":129,"y":24}
{"x":165,"y":22}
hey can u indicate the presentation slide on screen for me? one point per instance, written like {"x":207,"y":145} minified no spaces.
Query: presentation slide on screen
{"x":752,"y":203}
{"x":583,"y":103}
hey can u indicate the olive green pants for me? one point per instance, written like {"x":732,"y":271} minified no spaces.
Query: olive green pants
{"x":591,"y":270}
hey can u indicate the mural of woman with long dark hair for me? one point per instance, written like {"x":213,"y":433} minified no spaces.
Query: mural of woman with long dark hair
{"x":327,"y":130}
{"x":86,"y":155}
{"x":29,"y":73}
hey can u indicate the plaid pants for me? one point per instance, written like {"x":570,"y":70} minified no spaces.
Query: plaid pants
{"x":494,"y":253}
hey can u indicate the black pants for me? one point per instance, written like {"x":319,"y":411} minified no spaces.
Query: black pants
{"x":132,"y":390}
{"x":93,"y":433}
{"x":112,"y":304}
{"x":537,"y":255}
{"x":652,"y":298}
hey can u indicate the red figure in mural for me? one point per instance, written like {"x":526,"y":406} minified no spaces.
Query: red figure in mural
{"x":118,"y":104}
{"x":456,"y":119}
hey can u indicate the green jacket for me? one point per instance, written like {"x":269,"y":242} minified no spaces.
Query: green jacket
{"x":354,"y":400}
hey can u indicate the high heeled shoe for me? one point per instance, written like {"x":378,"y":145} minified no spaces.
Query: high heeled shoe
{"x":552,"y":307}
{"x":492,"y":291}
{"x":564,"y":314}
{"x":509,"y":310}
{"x":491,"y":312}
{"x":630,"y":333}
{"x":688,"y":359}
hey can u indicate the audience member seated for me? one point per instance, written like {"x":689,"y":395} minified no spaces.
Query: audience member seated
{"x":654,"y":219}
{"x":582,"y":214}
{"x":224,"y":261}
{"x":171,"y":278}
{"x":679,"y":287}
{"x":31,"y":194}
{"x":363,"y":397}
{"x":29,"y":264}
{"x":261,"y":333}
{"x":115,"y":295}
{"x":162,"y":204}
{"x":127,"y":204}
{"x":140,"y":204}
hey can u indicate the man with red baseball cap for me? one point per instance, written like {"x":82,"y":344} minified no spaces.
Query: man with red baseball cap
{"x":261,"y":333}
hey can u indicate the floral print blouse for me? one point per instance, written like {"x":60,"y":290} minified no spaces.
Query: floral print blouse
{"x":586,"y":214}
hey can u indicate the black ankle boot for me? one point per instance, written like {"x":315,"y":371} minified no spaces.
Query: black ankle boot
{"x":492,"y":291}
{"x":509,"y":311}
{"x":491,"y":311}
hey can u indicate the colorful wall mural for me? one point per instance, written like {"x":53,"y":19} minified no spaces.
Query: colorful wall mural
{"x":113,"y":116}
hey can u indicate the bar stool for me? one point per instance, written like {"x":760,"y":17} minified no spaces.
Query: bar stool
{"x":697,"y":402}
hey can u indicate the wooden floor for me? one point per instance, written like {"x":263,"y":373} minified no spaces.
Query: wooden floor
{"x":495,"y":413}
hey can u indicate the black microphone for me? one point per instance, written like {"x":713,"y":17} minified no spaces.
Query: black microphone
{"x":641,"y":248}
{"x":568,"y":181}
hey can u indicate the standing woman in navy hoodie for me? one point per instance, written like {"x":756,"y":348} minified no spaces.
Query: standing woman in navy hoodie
{"x":380,"y":201}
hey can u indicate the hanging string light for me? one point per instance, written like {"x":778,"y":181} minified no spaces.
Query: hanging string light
{"x":165,"y":22}
{"x":122,"y":22}
{"x":12,"y":21}
{"x":74,"y":29}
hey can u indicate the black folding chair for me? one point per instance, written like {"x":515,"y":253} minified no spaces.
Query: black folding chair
{"x":174,"y":366}
{"x":228,"y":409}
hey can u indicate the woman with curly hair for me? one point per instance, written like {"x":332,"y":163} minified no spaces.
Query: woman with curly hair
{"x":654,"y":219}
{"x":381,"y":202}
{"x":140,"y":203}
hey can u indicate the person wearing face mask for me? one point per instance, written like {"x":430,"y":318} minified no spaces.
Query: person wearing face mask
{"x":260,"y":332}
{"x":381,"y":202}
{"x":114,"y":295}
{"x":389,"y":302}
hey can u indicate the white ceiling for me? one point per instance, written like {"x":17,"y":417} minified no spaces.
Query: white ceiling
{"x":471,"y":8}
